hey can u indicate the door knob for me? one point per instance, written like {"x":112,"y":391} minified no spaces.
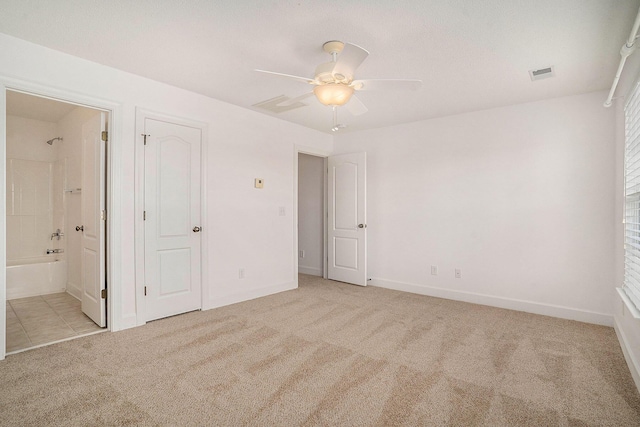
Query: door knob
{"x":196,"y":229}
{"x":79,"y":227}
{"x":362,"y":225}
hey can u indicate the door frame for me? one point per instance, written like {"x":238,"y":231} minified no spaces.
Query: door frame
{"x":113,"y":192}
{"x":139,"y":236}
{"x":301,"y":149}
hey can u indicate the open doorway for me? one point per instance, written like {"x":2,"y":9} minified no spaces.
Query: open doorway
{"x":56,"y":220}
{"x":343,"y":216}
{"x":311,"y":213}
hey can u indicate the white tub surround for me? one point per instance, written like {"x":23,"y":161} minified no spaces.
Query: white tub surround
{"x":35,"y":276}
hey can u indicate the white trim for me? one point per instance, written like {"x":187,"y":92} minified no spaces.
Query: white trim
{"x":295,"y":215}
{"x":622,"y":325}
{"x":312,"y":151}
{"x":630,"y":305}
{"x":501,"y":302}
{"x":74,"y":290}
{"x":310,"y":270}
{"x":129,"y":321}
{"x":114,"y":192}
{"x":250,"y":294}
{"x":3,"y":221}
{"x":138,"y":224}
{"x":141,"y":115}
{"x":626,"y":351}
{"x":325,"y":219}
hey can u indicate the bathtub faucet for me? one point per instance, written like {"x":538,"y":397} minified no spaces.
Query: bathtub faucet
{"x":55,"y":251}
{"x":58,"y":234}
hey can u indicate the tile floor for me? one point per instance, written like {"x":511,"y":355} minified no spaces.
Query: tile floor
{"x":47,"y":318}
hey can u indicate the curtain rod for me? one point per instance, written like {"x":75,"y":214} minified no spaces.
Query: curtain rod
{"x":627,"y":49}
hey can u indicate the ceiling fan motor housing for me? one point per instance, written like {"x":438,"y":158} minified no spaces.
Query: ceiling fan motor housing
{"x":324,"y":72}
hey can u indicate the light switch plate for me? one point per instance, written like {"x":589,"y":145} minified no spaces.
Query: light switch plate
{"x":259,"y":183}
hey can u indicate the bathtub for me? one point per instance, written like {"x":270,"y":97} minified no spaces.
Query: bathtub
{"x":35,"y":276}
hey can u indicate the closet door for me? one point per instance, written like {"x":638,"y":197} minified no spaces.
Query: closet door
{"x":172,"y":232}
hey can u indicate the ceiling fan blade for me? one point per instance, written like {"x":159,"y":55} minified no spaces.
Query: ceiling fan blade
{"x":292,"y":101}
{"x":349,"y":60}
{"x":302,"y":79}
{"x":387,"y":84}
{"x":355,"y":106}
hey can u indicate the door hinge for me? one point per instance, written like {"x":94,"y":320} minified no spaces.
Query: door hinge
{"x":103,"y":215}
{"x":145,"y":291}
{"x":145,"y":138}
{"x":105,"y":135}
{"x":144,"y":215}
{"x":104,"y":293}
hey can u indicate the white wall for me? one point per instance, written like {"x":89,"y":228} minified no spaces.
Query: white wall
{"x":520,"y":198}
{"x":244,"y":227}
{"x":310,"y":213}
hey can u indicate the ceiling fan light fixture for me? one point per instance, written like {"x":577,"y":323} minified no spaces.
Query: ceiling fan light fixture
{"x":333,"y":94}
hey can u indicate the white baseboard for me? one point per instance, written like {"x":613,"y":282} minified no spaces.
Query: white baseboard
{"x":627,"y":326}
{"x":74,"y":290}
{"x":220,"y":301}
{"x":310,"y":270}
{"x":626,"y":351}
{"x":501,"y":302}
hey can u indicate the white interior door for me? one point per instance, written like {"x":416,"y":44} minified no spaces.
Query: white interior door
{"x":172,"y":218}
{"x":93,"y":219}
{"x":347,"y":225}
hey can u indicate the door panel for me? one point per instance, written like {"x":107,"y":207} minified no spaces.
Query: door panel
{"x":172,"y":209}
{"x":346,"y":252}
{"x":175,"y":272}
{"x":347,"y":232}
{"x":174,"y":156}
{"x":346,"y":199}
{"x":94,"y":226}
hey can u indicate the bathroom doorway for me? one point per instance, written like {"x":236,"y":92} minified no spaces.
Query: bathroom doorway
{"x":56,"y":220}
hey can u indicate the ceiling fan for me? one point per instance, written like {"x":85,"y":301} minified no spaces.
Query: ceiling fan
{"x":334,"y":81}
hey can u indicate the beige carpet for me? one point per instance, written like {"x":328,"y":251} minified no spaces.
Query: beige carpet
{"x":329,"y":354}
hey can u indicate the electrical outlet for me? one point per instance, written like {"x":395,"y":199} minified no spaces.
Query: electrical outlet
{"x":258,"y":183}
{"x":458,"y":273}
{"x":434,"y":270}
{"x":301,"y":254}
{"x":241,"y":273}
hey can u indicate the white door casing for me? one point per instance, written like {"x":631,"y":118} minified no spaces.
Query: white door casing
{"x":347,"y":225}
{"x":172,"y":208}
{"x":94,"y":219}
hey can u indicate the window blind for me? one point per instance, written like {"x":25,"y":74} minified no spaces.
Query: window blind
{"x":632,"y":198}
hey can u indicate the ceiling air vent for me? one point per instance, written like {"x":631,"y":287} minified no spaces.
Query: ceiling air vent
{"x":272,"y":104}
{"x":542,"y":73}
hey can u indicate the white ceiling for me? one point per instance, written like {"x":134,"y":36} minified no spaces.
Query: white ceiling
{"x":471,"y":55}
